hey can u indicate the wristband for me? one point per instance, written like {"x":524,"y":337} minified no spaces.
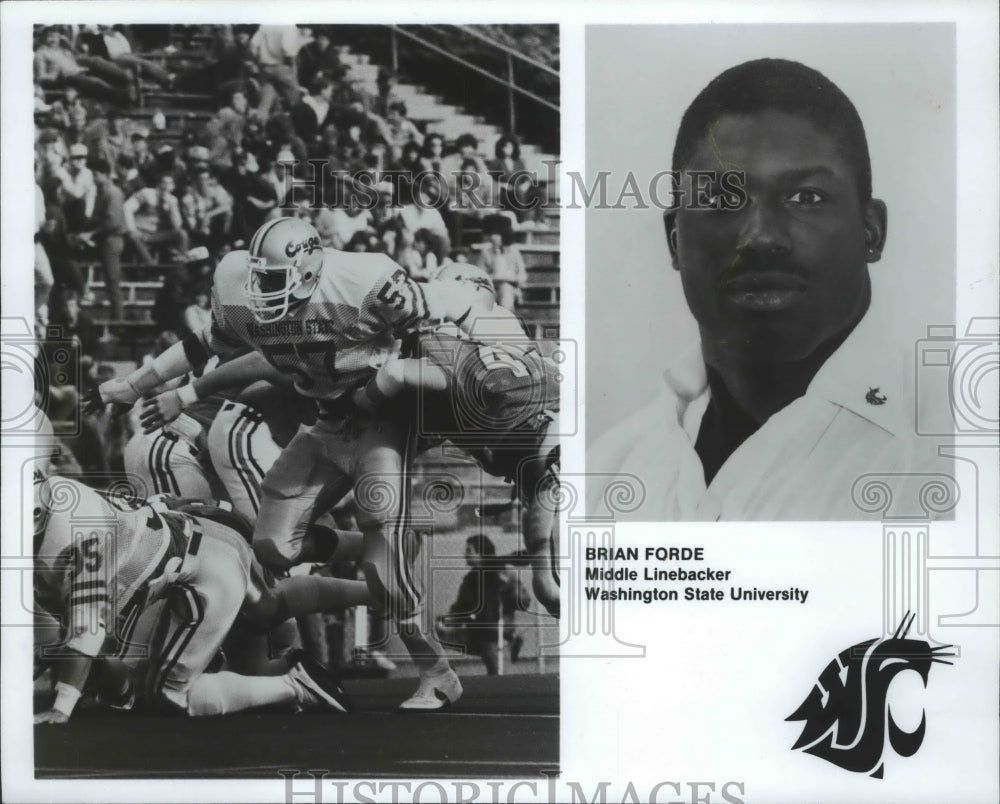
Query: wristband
{"x":144,"y":380}
{"x":66,"y":697}
{"x":187,"y":394}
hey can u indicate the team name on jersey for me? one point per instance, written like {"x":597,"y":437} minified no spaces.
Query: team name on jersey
{"x":312,"y":326}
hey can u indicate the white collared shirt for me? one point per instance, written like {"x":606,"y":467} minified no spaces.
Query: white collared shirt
{"x":804,"y":463}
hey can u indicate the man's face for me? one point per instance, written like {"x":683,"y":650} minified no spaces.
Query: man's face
{"x":775,"y":279}
{"x":239,"y":103}
{"x":166,"y":185}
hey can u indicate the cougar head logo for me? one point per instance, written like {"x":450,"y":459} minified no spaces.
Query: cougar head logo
{"x":845,"y":712}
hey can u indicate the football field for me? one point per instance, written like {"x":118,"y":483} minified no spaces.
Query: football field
{"x":503,"y":726}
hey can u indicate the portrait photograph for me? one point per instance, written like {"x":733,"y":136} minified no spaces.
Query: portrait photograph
{"x":776,"y":236}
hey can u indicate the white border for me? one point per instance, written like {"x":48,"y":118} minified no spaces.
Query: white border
{"x":977,"y":237}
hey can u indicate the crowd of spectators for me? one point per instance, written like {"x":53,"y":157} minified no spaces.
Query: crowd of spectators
{"x":290,"y":134}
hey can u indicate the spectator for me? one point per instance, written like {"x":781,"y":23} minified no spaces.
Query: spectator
{"x":254,"y":138}
{"x":476,"y":194}
{"x":110,"y":44}
{"x":169,"y":305}
{"x":43,"y":270}
{"x":365,"y":241}
{"x":485,"y":594}
{"x":337,"y":226}
{"x":168,"y":162}
{"x":279,"y":173}
{"x":153,"y":218}
{"x":502,"y":260}
{"x":318,"y":56}
{"x":253,"y":196}
{"x":107,"y":236}
{"x":77,"y":190}
{"x":401,"y":130}
{"x":75,"y":322}
{"x":466,"y":150}
{"x":386,"y":97}
{"x":432,"y":157}
{"x":385,"y":219}
{"x":208,"y":210}
{"x":108,"y":138}
{"x":313,"y":112}
{"x":422,"y":254}
{"x":369,"y":127}
{"x":56,"y":67}
{"x":76,"y":127}
{"x":230,"y":65}
{"x":65,"y":270}
{"x":225,"y":130}
{"x":198,"y":314}
{"x":328,"y":147}
{"x":281,"y":136}
{"x":196,"y":159}
{"x":422,"y":212}
{"x":143,"y":168}
{"x":409,"y":167}
{"x":51,"y":154}
{"x":275,"y":48}
{"x":515,"y":191}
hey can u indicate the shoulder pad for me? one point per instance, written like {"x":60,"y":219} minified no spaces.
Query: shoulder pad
{"x":230,"y":277}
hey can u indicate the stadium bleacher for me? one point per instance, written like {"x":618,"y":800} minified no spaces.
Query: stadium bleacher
{"x":127,"y":337}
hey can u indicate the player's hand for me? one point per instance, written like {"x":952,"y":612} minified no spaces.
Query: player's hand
{"x":92,"y":404}
{"x":51,"y":716}
{"x":160,"y":410}
{"x":119,"y":391}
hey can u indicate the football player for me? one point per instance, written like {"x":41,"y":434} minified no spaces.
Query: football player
{"x":498,"y":398}
{"x":97,"y":567}
{"x":328,"y":319}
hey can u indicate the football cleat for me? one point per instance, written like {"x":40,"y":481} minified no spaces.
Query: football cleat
{"x":436,"y":691}
{"x":315,"y":686}
{"x":284,"y":262}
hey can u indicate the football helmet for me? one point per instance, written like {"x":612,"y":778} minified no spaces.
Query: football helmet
{"x":285,"y":258}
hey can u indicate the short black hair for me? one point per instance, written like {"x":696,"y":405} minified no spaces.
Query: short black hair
{"x":782,"y":85}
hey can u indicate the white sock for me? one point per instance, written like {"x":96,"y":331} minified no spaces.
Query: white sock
{"x":222,"y":693}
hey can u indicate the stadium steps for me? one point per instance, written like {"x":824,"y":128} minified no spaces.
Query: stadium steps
{"x":431,"y":112}
{"x":539,"y":247}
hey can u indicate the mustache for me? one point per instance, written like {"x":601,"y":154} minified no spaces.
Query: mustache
{"x":750,"y":262}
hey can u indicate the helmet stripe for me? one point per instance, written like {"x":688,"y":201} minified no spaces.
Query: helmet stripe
{"x":258,"y":239}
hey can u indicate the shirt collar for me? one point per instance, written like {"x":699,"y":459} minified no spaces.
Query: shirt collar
{"x":866,"y":375}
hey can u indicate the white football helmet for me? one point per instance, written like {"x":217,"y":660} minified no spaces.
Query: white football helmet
{"x":286,"y":256}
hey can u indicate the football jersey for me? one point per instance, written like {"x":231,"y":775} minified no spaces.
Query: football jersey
{"x":335,"y":339}
{"x":493,"y":389}
{"x":204,"y":409}
{"x":95,"y":561}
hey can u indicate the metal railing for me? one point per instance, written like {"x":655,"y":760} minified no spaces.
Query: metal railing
{"x":511,"y":56}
